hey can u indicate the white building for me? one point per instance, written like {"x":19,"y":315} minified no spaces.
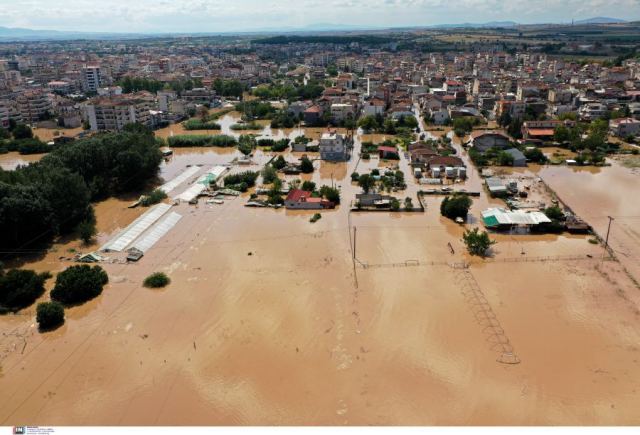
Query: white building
{"x":333,"y":146}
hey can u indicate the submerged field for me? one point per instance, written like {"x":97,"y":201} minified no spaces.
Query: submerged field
{"x":268,"y":320}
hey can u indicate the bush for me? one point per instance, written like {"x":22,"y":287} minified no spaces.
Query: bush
{"x":247,"y":177}
{"x":306,"y":166}
{"x":455,"y":206}
{"x":198,"y":124}
{"x":156,"y":280}
{"x":22,"y":131}
{"x":246,"y":126}
{"x":86,"y":231}
{"x":331,"y":194}
{"x":200,"y":140}
{"x":269,"y":174}
{"x":309,"y":186}
{"x":279,"y":162}
{"x":395,"y":204}
{"x":49,"y":315}
{"x":154,"y":197}
{"x":20,"y":288}
{"x":78,"y":284}
{"x":554,"y":213}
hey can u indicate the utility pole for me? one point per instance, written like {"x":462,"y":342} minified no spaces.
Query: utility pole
{"x":354,"y":242}
{"x":606,"y":242}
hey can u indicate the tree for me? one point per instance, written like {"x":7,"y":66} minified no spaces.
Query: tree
{"x":477,"y":242}
{"x":395,"y":204}
{"x":20,"y":288}
{"x":22,"y":131}
{"x":331,"y":194}
{"x":308,"y":186}
{"x":269,"y":174}
{"x":554,"y":212}
{"x":156,"y":280}
{"x":504,"y":159}
{"x":87,"y":230}
{"x":49,"y":315}
{"x":408,"y":203}
{"x":456,"y":206}
{"x":78,"y":284}
{"x":366,"y":182}
{"x":535,"y":155}
{"x":306,"y":166}
{"x":279,"y":163}
{"x":368,"y":123}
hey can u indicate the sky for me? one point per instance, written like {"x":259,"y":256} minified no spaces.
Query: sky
{"x":189,"y":16}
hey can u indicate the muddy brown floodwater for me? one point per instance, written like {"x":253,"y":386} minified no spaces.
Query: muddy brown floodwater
{"x":268,"y":321}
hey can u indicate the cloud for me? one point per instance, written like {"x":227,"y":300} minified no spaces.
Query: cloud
{"x":240,"y":15}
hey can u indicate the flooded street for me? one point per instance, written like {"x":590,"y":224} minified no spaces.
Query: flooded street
{"x":268,"y":319}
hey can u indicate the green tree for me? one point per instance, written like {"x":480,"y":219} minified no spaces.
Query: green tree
{"x":269,"y":174}
{"x":22,"y":131}
{"x":306,"y":166}
{"x":308,"y":186}
{"x":20,"y":288}
{"x":49,"y":315}
{"x":477,"y":242}
{"x":408,"y":203}
{"x":156,"y":280}
{"x":331,"y":194}
{"x":456,"y":205}
{"x":366,"y":182}
{"x":87,"y":231}
{"x":504,"y":159}
{"x":78,"y":284}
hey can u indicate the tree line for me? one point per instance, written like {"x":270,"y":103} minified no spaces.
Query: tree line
{"x":51,"y":197}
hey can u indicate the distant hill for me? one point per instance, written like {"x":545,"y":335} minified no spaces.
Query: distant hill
{"x":600,"y":20}
{"x":476,"y":25}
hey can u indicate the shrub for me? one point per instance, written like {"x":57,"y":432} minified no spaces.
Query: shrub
{"x":331,"y":194}
{"x":306,"y":166}
{"x":198,"y":124}
{"x":246,"y":177}
{"x":87,"y":230}
{"x":408,"y":203}
{"x":49,"y":315}
{"x":279,"y":162}
{"x":20,"y":288}
{"x":309,"y":186}
{"x":156,"y":280}
{"x":200,"y":140}
{"x":78,"y":284}
{"x":154,"y":197}
{"x":456,"y":206}
{"x":269,"y":174}
{"x":246,"y":126}
{"x":395,"y":204}
{"x":554,"y":212}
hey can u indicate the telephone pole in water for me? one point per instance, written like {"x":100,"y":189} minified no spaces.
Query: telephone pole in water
{"x":606,"y":242}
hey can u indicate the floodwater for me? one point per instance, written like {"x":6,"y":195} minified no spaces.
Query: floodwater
{"x":13,"y":159}
{"x":596,"y":193}
{"x":268,"y":320}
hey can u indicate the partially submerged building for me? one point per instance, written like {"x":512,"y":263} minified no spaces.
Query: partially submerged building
{"x":500,"y":218}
